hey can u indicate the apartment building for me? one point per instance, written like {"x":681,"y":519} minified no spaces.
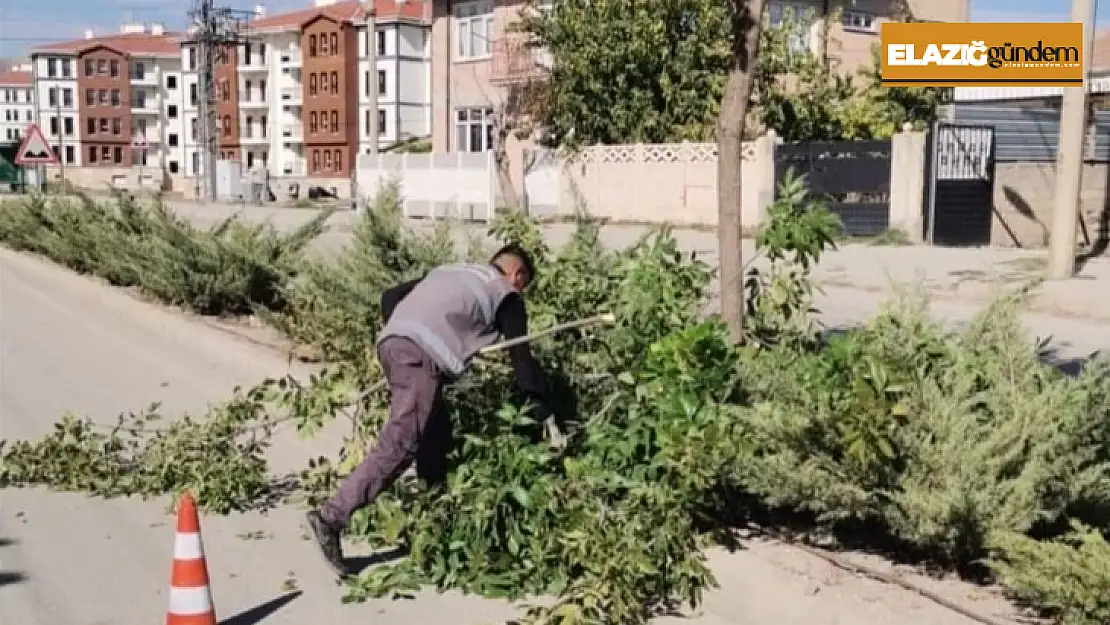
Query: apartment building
{"x":477,"y":60}
{"x":17,"y":108}
{"x":297,"y":97}
{"x":102,"y":102}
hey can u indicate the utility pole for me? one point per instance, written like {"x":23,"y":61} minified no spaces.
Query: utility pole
{"x":371,"y":17}
{"x":1069,"y":155}
{"x":213,"y":31}
{"x":61,"y":137}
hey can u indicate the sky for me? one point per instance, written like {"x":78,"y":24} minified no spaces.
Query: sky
{"x":24,"y":25}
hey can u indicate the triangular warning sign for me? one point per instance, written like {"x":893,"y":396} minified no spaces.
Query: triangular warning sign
{"x":35,"y":150}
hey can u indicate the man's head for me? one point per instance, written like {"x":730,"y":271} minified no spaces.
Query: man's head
{"x":515,"y":264}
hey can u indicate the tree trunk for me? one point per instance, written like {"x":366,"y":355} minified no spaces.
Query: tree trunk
{"x":746,"y":27}
{"x":502,"y":128}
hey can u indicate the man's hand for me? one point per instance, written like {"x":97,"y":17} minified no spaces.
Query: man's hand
{"x":553,"y":434}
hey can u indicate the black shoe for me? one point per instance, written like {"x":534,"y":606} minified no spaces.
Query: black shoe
{"x":327,"y":538}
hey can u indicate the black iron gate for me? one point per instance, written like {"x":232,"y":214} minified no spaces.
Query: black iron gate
{"x":959,"y":185}
{"x":854,"y":176}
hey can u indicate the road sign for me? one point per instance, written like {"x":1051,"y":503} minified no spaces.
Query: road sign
{"x":35,"y":150}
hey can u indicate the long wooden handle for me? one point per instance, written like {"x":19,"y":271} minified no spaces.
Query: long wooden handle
{"x":570,"y":325}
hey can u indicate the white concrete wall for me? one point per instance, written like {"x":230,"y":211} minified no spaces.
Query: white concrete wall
{"x":44,"y":112}
{"x":17,"y":112}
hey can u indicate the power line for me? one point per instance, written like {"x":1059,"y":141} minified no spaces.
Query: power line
{"x":213,"y":31}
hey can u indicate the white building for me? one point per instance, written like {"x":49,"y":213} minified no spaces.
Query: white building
{"x":17,"y":108}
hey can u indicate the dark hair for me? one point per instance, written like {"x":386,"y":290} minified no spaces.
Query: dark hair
{"x":520,"y":253}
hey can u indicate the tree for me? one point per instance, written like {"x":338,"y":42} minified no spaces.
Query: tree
{"x":632,"y":71}
{"x":746,"y":24}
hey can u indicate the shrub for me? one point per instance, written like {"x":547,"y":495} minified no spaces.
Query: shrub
{"x":232,"y":268}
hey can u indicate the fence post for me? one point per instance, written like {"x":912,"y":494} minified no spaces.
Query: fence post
{"x":907,"y":182}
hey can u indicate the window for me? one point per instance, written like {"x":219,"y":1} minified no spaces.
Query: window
{"x":195,"y":162}
{"x":327,"y":160}
{"x":312,"y":84}
{"x":52,"y":68}
{"x":191,"y":59}
{"x":801,"y":14}
{"x":262,"y":91}
{"x":172,"y":140}
{"x":335,"y":82}
{"x":335,"y":121}
{"x":117,"y":156}
{"x":67,"y":98}
{"x":104,"y":125}
{"x":312,"y":45}
{"x":381,"y":82}
{"x":175,"y":167}
{"x":171,"y":111}
{"x":67,"y":126}
{"x":338,"y":160}
{"x":71,"y":154}
{"x":854,"y":20}
{"x":250,"y":160}
{"x":105,"y":153}
{"x":53,"y":125}
{"x":247,"y":92}
{"x":227,"y":124}
{"x":117,"y":126}
{"x":193,"y":129}
{"x":90,"y":97}
{"x":262,"y":126}
{"x":171,"y":82}
{"x":90,"y":126}
{"x":102,"y":97}
{"x":313,"y":122}
{"x":193,"y":94}
{"x":381,"y":123}
{"x":315,"y":161}
{"x":474,"y":130}
{"x":473,"y":30}
{"x":225,"y":91}
{"x":67,"y":68}
{"x":89,"y":67}
{"x":52,"y":96}
{"x":138,"y":100}
{"x":334,"y":43}
{"x":102,"y":66}
{"x":246,"y":54}
{"x":138,"y":71}
{"x":115,"y":97}
{"x":381,"y":44}
{"x":247,"y":129}
{"x":93,"y":154}
{"x":113,"y":70}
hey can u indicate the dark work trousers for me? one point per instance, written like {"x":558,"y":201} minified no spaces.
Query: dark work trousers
{"x":418,"y":428}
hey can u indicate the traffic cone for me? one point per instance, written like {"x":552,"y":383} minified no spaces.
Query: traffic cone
{"x":190,"y":595}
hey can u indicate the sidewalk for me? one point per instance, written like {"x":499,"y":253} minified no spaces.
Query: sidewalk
{"x":969,"y":275}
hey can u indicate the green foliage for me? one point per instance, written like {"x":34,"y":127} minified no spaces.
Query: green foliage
{"x":231,"y":268}
{"x":962,"y":446}
{"x":664,"y":84}
{"x":805,"y":97}
{"x":1065,"y":578}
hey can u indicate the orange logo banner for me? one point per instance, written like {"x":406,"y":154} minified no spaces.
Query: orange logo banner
{"x":982,"y":54}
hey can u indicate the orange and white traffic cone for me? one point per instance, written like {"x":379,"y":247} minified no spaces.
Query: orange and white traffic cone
{"x":190,"y":595}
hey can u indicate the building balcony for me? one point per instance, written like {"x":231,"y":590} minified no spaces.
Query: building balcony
{"x":515,"y":61}
{"x":251,"y":101}
{"x":291,"y":58}
{"x":292,"y":95}
{"x":295,"y":168}
{"x":254,"y":138}
{"x":148,"y":77}
{"x":146,"y":107}
{"x":255,"y":67}
{"x":292,"y":132}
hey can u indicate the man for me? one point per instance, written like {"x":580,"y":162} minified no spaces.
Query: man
{"x":433,"y":327}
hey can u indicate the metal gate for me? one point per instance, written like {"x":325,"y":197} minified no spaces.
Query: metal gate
{"x":959,"y":193}
{"x":853,"y":176}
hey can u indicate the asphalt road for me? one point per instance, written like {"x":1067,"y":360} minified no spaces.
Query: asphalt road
{"x":69,"y":343}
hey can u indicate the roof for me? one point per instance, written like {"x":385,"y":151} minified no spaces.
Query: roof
{"x":134,"y":44}
{"x":9,"y":78}
{"x":349,"y":11}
